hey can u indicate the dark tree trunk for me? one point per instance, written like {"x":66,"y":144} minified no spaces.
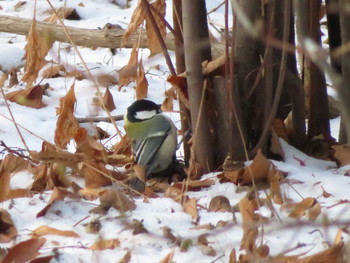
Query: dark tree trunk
{"x":197,"y":50}
{"x":180,"y":67}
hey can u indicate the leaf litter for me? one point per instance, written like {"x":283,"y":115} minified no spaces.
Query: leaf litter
{"x":78,"y":200}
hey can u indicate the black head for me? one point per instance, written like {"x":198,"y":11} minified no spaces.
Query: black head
{"x":142,"y":110}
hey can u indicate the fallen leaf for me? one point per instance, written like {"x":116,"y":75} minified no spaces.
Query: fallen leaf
{"x":116,"y":199}
{"x":105,"y":244}
{"x":126,"y":258}
{"x":325,"y":194}
{"x":24,"y":251}
{"x":195,"y":185}
{"x":106,"y":80}
{"x":95,"y":174}
{"x":190,"y":207}
{"x":123,"y":146}
{"x":8,"y":230}
{"x":67,"y":125}
{"x":168,"y":234}
{"x":274,"y":178}
{"x":30,"y":97}
{"x":10,"y":164}
{"x":168,"y":258}
{"x":175,"y":193}
{"x":257,"y":170}
{"x":63,"y":13}
{"x":341,"y":154}
{"x":54,"y":72}
{"x":250,"y":229}
{"x":219,"y":204}
{"x":58,"y":194}
{"x":52,"y":154}
{"x":308,"y":205}
{"x":46,"y":230}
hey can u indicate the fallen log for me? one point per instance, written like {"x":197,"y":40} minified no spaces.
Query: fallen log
{"x":108,"y":37}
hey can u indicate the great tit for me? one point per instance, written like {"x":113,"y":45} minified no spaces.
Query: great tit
{"x":153,"y":136}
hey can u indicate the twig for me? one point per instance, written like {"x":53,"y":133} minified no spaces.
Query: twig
{"x":98,"y":119}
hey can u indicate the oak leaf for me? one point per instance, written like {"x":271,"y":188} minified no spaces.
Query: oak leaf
{"x":24,"y":251}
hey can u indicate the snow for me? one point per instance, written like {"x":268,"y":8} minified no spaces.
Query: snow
{"x":309,"y":178}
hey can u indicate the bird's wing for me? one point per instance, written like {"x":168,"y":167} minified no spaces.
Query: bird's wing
{"x":147,"y":148}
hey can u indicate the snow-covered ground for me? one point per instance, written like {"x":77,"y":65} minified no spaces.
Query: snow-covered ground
{"x":306,"y":176}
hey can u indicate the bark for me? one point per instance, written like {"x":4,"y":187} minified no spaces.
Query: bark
{"x":315,"y":83}
{"x":196,"y":46}
{"x":345,"y":63}
{"x":180,"y":67}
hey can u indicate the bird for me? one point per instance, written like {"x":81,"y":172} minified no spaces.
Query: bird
{"x":153,"y":137}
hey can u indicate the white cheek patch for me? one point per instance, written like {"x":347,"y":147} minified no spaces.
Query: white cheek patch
{"x":144,"y":115}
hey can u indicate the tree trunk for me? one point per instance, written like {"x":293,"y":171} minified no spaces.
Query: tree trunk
{"x":197,"y":50}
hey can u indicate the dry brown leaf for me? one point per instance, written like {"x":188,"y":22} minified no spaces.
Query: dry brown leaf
{"x":220,"y":204}
{"x":58,"y":194}
{"x":190,"y":207}
{"x":19,"y":193}
{"x":91,"y":193}
{"x":7,"y":229}
{"x":46,"y":230}
{"x":213,"y":65}
{"x":67,"y":125}
{"x":276,"y":147}
{"x":274,"y":178}
{"x":52,"y":154}
{"x":325,"y":194}
{"x":123,"y":146}
{"x":141,"y":83}
{"x":250,"y":230}
{"x":257,"y":170}
{"x":180,"y":85}
{"x":95,"y":174}
{"x":105,"y":244}
{"x":308,"y":205}
{"x":126,"y":258}
{"x":174,"y":193}
{"x":30,"y":97}
{"x":138,"y":16}
{"x":128,"y":73}
{"x":108,"y":100}
{"x":153,"y":42}
{"x":168,"y":103}
{"x":168,"y":258}
{"x":40,"y":178}
{"x":106,"y":80}
{"x":77,"y":74}
{"x":278,"y":126}
{"x":24,"y":251}
{"x":332,"y":254}
{"x":341,"y":154}
{"x":195,"y":185}
{"x":54,"y":72}
{"x":116,"y":199}
{"x":233,"y":176}
{"x":10,"y":164}
{"x":36,"y":49}
{"x":233,"y":257}
{"x":63,"y":13}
